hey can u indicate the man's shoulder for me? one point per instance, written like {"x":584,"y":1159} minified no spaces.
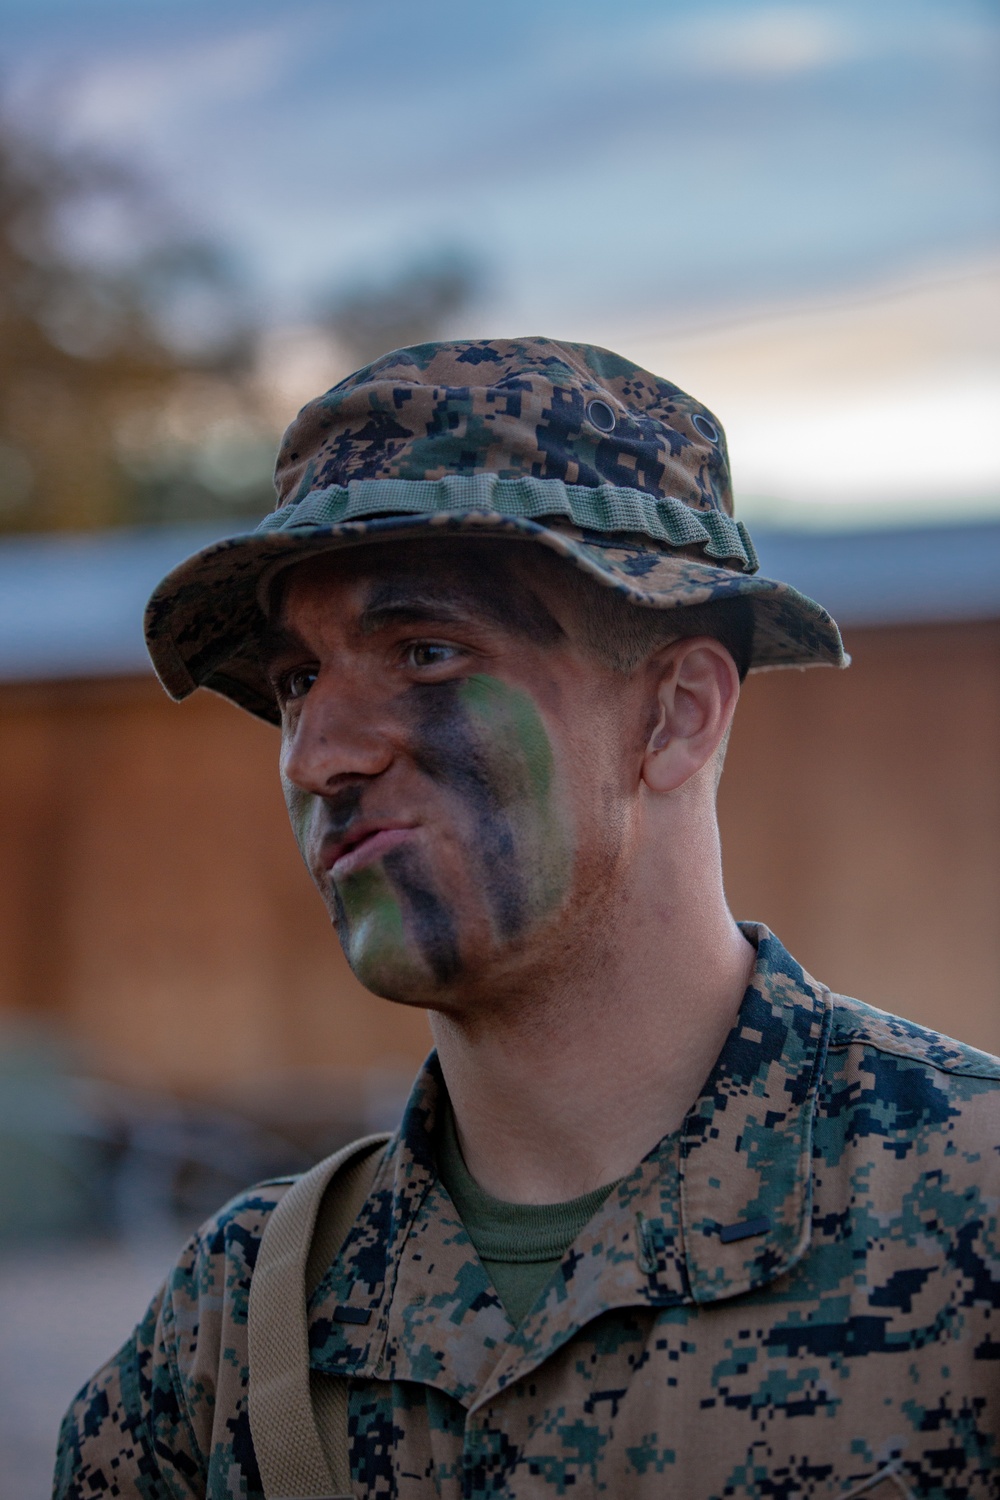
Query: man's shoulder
{"x":202,"y":1313}
{"x":207,"y":1291}
{"x":174,"y":1396}
{"x":907,"y":1090}
{"x":249,"y":1209}
{"x":865,"y":1027}
{"x":233,"y":1233}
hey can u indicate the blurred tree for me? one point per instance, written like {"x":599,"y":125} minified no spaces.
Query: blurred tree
{"x":125,"y":352}
{"x":420,"y":301}
{"x":130,"y":379}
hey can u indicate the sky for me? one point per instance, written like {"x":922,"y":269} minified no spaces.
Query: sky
{"x":645,"y":175}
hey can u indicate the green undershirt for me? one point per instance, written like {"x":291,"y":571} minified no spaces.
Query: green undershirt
{"x":519,"y":1244}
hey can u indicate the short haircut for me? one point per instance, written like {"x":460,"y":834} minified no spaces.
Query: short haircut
{"x":623,"y":634}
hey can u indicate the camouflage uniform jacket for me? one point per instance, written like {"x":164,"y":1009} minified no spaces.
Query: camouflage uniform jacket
{"x":794,"y":1295}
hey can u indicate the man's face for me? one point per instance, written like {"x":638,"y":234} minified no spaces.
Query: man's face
{"x":457,"y":770}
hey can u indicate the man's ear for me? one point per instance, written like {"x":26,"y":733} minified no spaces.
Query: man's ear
{"x":697,"y":688}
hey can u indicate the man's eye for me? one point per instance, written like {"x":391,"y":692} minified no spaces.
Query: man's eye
{"x":296,"y":684}
{"x":428,"y":654}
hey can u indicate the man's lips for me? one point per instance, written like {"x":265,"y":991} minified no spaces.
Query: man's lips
{"x":365,"y":843}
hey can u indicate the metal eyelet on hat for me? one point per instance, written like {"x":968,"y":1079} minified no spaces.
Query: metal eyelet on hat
{"x":600,"y":415}
{"x":705,"y":427}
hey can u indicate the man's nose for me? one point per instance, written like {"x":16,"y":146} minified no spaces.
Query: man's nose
{"x":339,"y":731}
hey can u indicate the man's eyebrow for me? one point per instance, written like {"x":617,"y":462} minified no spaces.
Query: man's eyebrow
{"x":513,"y":606}
{"x":398,"y":604}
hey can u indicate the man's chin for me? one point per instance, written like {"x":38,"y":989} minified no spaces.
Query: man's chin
{"x":403,"y":978}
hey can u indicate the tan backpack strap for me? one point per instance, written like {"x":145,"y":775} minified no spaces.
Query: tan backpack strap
{"x":293,"y":1461}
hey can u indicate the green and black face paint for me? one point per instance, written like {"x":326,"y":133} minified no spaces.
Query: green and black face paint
{"x":485,"y":746}
{"x":427,"y":915}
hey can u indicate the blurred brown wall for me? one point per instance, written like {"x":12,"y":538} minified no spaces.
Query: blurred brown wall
{"x":861,"y":819}
{"x":154,"y":905}
{"x":155,"y":901}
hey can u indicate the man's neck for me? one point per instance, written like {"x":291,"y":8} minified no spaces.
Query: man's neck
{"x":570,"y":1091}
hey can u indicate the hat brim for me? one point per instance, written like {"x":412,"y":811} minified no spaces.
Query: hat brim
{"x":204,"y":620}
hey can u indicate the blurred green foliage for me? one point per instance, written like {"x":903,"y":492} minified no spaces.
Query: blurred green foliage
{"x":422,"y":300}
{"x":53,"y":1172}
{"x":125,"y":352}
{"x":131,"y":379}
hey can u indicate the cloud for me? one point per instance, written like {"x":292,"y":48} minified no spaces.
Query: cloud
{"x":143,"y":91}
{"x":902,"y":442}
{"x":884,"y":397}
{"x":773,"y":40}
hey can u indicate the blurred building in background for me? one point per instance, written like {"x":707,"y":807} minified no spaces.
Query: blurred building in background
{"x":156,"y":910}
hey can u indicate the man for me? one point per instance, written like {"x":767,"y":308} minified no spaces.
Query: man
{"x":663,"y":1216}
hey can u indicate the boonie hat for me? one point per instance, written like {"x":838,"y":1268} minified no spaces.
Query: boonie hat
{"x":566,"y":445}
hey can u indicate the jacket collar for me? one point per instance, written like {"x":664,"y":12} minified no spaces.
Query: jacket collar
{"x":718,"y":1209}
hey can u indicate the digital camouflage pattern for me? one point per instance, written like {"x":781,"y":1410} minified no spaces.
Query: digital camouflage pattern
{"x":564,"y":444}
{"x":510,"y":407}
{"x":796,"y":1295}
